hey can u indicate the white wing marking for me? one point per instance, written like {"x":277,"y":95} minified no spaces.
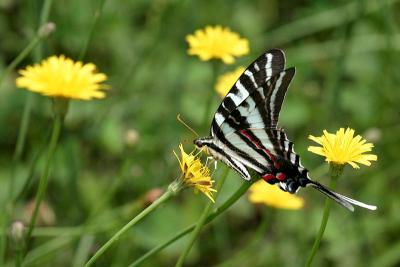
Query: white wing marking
{"x":268,"y":69}
{"x":219,"y":118}
{"x":274,"y":92}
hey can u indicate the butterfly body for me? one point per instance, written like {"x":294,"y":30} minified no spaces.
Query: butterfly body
{"x":280,"y":171}
{"x":244,"y":132}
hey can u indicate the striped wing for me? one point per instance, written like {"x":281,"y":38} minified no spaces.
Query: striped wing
{"x":259,"y":111}
{"x":269,"y":146}
{"x":255,"y":76}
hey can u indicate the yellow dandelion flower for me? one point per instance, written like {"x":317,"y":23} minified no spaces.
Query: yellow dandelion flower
{"x":343,"y":147}
{"x":59,"y":76}
{"x":270,"y":195}
{"x":217,"y":42}
{"x":226,"y":81}
{"x":195,"y":174}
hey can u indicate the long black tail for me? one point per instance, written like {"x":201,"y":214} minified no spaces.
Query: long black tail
{"x":343,"y":200}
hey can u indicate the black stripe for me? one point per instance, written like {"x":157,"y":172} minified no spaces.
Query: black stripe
{"x":258,"y":100}
{"x":290,"y":147}
{"x":282,"y":143}
{"x":259,"y":76}
{"x":228,"y":158}
{"x":297,"y":160}
{"x":241,"y":120}
{"x":261,"y":152}
{"x":240,"y":153}
{"x":276,"y":66}
{"x":272,"y":135}
{"x":229,"y":105}
{"x":247,"y":82}
{"x":268,"y":93}
{"x":280,"y":95}
{"x":245,"y":104}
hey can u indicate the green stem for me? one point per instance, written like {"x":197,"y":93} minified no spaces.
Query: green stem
{"x":241,"y":256}
{"x":23,"y":126}
{"x":24,"y":53}
{"x":202,"y":221}
{"x":211,"y":95}
{"x":228,"y":203}
{"x":44,"y":178}
{"x":83,"y":250}
{"x":335,"y":84}
{"x":45,"y":12}
{"x":167,"y":195}
{"x":335,"y":172}
{"x":60,"y":108}
{"x":96,"y":17}
{"x":9,"y":201}
{"x":19,"y":147}
{"x":32,"y":44}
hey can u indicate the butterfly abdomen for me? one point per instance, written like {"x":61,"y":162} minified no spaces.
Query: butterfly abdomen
{"x":287,"y":182}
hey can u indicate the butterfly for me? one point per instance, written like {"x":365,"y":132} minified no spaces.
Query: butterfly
{"x":244,"y":132}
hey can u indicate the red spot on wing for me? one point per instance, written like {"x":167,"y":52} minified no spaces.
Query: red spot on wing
{"x":259,"y":146}
{"x":281,"y":176}
{"x":267,"y":177}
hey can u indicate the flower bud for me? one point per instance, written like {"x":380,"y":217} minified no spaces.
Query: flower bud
{"x":46,"y":29}
{"x":131,"y":137}
{"x":17,"y":233}
{"x":152,"y":196}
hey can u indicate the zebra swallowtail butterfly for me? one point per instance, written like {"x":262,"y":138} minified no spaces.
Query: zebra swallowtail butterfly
{"x":244,"y":132}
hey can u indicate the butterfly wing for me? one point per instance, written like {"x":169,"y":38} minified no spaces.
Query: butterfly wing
{"x":255,"y":112}
{"x":256,"y":75}
{"x":244,"y":128}
{"x":261,"y":109}
{"x":272,"y":145}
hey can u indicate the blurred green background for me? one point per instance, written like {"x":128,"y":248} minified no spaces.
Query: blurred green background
{"x":112,"y":152}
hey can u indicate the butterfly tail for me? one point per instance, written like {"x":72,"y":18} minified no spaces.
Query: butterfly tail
{"x":342,"y":200}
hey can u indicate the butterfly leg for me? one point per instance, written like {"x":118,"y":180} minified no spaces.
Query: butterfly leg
{"x":210,"y":158}
{"x":237,"y":166}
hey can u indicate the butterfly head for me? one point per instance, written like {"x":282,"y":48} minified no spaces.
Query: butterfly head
{"x":205,"y":144}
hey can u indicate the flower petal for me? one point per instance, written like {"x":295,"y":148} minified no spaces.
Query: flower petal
{"x":217,"y":43}
{"x":59,"y":76}
{"x":271,"y":195}
{"x":343,"y":147}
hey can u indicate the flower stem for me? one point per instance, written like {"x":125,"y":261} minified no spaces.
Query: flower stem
{"x":23,"y":126}
{"x":94,"y":22}
{"x":228,"y":203}
{"x":32,"y":44}
{"x":44,"y":178}
{"x":211,"y":94}
{"x":24,"y":53}
{"x":202,"y":221}
{"x":167,"y":195}
{"x":19,"y":147}
{"x":335,"y":172}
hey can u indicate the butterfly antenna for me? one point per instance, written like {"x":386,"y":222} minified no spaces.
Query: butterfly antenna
{"x":178,"y":117}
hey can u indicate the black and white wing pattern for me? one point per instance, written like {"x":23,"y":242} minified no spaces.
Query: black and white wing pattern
{"x":244,"y":132}
{"x":241,"y":108}
{"x":260,"y":110}
{"x":256,"y":75}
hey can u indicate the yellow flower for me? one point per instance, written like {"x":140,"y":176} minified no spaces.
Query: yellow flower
{"x":59,"y":76}
{"x":226,"y":81}
{"x":217,"y":42}
{"x":271,"y":195}
{"x":195,"y":174}
{"x":343,"y":147}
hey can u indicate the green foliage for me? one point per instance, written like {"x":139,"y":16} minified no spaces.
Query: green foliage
{"x":346,"y":56}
